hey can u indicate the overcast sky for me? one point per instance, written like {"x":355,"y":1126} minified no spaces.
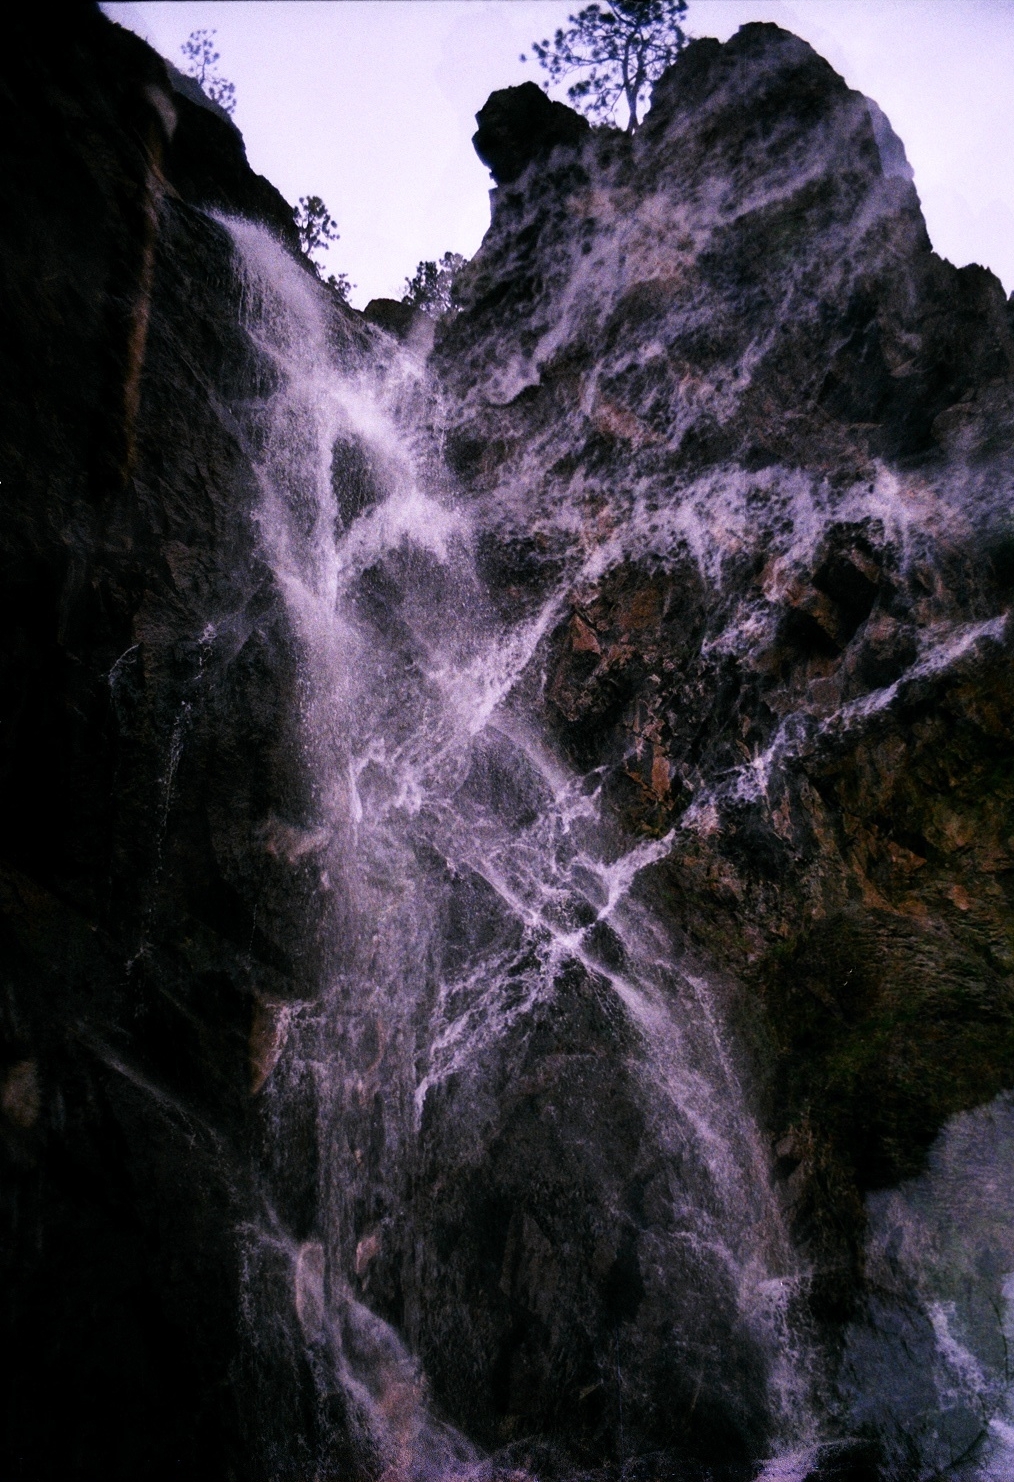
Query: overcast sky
{"x":371,"y":104}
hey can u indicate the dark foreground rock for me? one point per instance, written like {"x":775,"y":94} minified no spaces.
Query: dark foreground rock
{"x":148,"y":711}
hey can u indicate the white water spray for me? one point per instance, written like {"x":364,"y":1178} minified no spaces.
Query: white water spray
{"x":409,"y":680}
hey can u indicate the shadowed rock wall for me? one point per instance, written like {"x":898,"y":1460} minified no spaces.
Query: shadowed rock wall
{"x":146,"y":894}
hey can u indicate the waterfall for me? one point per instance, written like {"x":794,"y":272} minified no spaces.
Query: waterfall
{"x":494,"y":935}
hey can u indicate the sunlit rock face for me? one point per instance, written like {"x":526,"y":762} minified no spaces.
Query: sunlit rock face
{"x":716,"y":375}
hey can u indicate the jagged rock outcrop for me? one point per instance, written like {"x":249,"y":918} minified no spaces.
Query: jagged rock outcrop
{"x":780,"y":426}
{"x":393,"y":315}
{"x":520,"y":124}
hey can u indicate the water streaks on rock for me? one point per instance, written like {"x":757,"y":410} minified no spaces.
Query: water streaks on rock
{"x":505,"y":892}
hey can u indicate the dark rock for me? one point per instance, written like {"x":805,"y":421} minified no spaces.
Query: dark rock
{"x":188,"y":87}
{"x":147,"y":755}
{"x":393,"y":315}
{"x":844,"y":1461}
{"x":520,"y":124}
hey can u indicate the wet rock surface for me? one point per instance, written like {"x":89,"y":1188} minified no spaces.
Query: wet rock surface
{"x":780,"y":428}
{"x":709,"y":383}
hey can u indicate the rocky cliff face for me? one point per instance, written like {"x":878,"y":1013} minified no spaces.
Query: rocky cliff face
{"x":146,"y":742}
{"x":780,"y":427}
{"x":507,"y":853}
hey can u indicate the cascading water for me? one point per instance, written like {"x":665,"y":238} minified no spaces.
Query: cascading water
{"x":481,"y":890}
{"x":383,"y":727}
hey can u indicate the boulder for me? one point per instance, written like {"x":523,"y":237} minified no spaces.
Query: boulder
{"x":520,"y":124}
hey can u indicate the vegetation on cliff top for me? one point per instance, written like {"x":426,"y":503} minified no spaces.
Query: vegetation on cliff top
{"x":620,"y":50}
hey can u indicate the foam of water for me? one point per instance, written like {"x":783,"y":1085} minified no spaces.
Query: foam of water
{"x":400,"y":702}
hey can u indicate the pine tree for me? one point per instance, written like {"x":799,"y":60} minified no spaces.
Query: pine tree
{"x":432,"y":286}
{"x":621,"y":48}
{"x":317,"y":230}
{"x":201,"y":59}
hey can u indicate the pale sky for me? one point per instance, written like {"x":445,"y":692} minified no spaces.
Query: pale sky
{"x":370,"y":104}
